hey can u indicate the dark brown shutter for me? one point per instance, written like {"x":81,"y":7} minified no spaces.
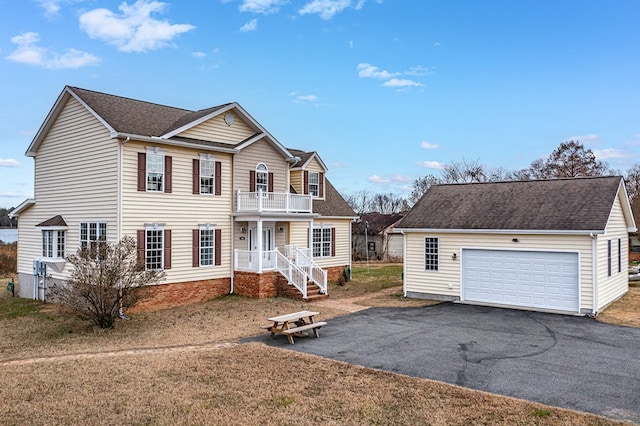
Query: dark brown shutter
{"x":141,"y":245}
{"x":252,"y":181}
{"x":305,"y":183}
{"x":196,"y":176}
{"x":218,"y":178}
{"x":168,"y":172}
{"x":333,"y":242}
{"x":142,"y":171}
{"x":167,"y":249}
{"x":195,"y":247}
{"x":321,"y":184}
{"x":217,"y":244}
{"x":270,"y":183}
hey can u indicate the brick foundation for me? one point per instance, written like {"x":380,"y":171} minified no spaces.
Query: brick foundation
{"x":335,"y":272}
{"x":164,"y":296}
{"x":256,"y":285}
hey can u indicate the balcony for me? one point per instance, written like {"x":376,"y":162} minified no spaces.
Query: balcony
{"x":273,"y":202}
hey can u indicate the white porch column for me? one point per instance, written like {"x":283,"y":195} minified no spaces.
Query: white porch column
{"x":310,"y":244}
{"x":259,"y":244}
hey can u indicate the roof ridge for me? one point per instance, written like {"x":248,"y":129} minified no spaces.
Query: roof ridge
{"x":529,"y":180}
{"x":133,"y":99}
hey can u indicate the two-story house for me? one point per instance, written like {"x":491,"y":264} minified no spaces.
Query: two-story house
{"x":211,"y":196}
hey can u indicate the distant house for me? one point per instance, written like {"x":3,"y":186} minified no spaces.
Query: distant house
{"x":381,"y":242}
{"x":551,"y":245}
{"x":211,"y":197}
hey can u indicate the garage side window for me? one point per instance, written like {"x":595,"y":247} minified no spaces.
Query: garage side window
{"x":431,"y":254}
{"x":609,"y":258}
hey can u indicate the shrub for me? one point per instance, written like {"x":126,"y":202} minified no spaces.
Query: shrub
{"x":8,"y":258}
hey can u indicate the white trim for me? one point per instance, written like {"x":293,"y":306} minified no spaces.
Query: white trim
{"x":200,"y":120}
{"x":172,"y":142}
{"x":500,"y":231}
{"x":22,"y":207}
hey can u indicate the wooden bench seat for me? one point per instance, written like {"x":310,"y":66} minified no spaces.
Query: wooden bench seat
{"x":304,"y":327}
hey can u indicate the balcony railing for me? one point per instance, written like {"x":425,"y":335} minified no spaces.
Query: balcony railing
{"x":273,"y":202}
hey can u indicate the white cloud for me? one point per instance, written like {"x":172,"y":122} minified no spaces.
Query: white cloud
{"x":303,"y":98}
{"x":401,"y":82}
{"x":9,"y":162}
{"x":635,"y":141}
{"x":262,"y":6}
{"x":132,"y":30}
{"x":431,"y":165}
{"x":370,"y":71}
{"x":585,"y":139}
{"x":28,"y":52}
{"x":198,"y":55}
{"x":390,"y":179}
{"x":326,"y":9}
{"x":51,"y":7}
{"x":607,"y":153}
{"x":429,"y":145}
{"x":418,"y":71}
{"x":252,"y":25}
{"x":436,"y":44}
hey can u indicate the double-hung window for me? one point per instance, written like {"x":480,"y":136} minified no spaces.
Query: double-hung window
{"x":155,"y":170}
{"x":322,"y":242}
{"x":314,"y":184}
{"x":431,"y":254}
{"x":207,"y":246}
{"x":53,"y":243}
{"x":91,"y":233}
{"x":154,"y":248}
{"x":207,"y":174}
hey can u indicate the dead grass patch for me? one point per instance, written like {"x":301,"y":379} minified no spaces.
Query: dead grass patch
{"x":233,"y":386}
{"x":625,"y":311}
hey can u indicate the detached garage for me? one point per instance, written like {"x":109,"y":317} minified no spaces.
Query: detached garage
{"x":551,"y":245}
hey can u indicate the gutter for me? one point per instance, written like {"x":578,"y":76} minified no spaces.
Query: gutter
{"x":155,"y":139}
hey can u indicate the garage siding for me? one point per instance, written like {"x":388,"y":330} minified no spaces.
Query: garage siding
{"x":612,"y":287}
{"x":446,"y":281}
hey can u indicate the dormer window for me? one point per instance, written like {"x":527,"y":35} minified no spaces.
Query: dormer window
{"x":314,"y":184}
{"x":262,"y":178}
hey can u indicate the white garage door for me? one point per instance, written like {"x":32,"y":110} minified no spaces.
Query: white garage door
{"x":547,"y":280}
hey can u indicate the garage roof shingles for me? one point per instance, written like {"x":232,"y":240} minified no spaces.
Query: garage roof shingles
{"x":581,"y":204}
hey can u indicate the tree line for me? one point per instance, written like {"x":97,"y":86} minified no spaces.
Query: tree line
{"x":5,"y":220}
{"x":570,"y":160}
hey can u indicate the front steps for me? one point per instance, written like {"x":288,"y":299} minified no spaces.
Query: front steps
{"x":289,"y":291}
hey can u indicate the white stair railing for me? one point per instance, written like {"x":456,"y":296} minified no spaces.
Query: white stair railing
{"x":316,"y":273}
{"x":295,"y":275}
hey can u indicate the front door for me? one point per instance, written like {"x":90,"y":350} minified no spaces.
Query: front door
{"x":268,"y":245}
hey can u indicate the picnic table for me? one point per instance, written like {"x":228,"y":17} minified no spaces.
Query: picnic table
{"x":294,"y":324}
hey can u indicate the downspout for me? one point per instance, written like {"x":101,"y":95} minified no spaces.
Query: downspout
{"x":594,"y":274}
{"x":120,"y":195}
{"x":404,"y":263}
{"x":233,"y":227}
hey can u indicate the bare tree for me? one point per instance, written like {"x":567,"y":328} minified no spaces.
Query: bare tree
{"x":360,"y":201}
{"x":464,"y":171}
{"x":571,"y":159}
{"x":105,"y":276}
{"x":421,"y":185}
{"x":632,"y":183}
{"x":388,"y":203}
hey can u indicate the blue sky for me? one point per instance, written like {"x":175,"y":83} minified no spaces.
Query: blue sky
{"x":385,"y":90}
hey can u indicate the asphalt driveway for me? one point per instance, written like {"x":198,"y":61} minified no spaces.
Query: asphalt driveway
{"x":565,"y":361}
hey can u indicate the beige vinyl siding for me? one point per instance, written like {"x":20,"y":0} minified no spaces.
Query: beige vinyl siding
{"x":449,"y":273}
{"x":613,"y":287}
{"x":297,"y":181}
{"x":181,"y":211}
{"x":260,"y":152}
{"x":299,"y":234}
{"x":342,"y":236}
{"x":216,"y":130}
{"x":76,"y":176}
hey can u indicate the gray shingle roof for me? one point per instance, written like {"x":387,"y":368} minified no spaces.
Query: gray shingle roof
{"x":54,"y":221}
{"x":304,"y":156}
{"x":142,"y":118}
{"x":581,"y":204}
{"x":333,"y":204}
